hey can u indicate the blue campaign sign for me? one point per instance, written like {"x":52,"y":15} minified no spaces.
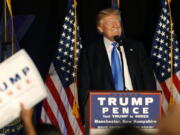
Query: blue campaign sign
{"x":114,"y":109}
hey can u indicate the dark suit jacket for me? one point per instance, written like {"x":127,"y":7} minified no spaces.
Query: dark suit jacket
{"x":95,"y":71}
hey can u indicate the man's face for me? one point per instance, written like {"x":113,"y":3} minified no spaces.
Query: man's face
{"x":110,"y":26}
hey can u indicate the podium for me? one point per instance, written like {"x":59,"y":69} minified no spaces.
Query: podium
{"x":114,"y":109}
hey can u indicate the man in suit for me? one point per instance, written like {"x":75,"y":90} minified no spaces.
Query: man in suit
{"x":96,"y":66}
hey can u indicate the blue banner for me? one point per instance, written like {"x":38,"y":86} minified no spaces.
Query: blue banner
{"x":113,"y":110}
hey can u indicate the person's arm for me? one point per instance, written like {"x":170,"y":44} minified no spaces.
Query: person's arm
{"x":26,"y":115}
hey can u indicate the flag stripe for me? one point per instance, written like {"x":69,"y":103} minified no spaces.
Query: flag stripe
{"x":56,"y":113}
{"x":71,"y":99}
{"x":59,"y":103}
{"x":70,"y":96}
{"x":66,"y":96}
{"x":164,"y":101}
{"x":176,"y":82}
{"x":176,"y":95}
{"x":50,"y":113}
{"x":174,"y":92}
{"x":44,"y":117}
{"x":165,"y":90}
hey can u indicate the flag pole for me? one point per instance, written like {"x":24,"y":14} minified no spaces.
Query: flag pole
{"x":12,"y":25}
{"x":171,"y":102}
{"x":8,"y":7}
{"x":5,"y":22}
{"x":7,"y":4}
{"x":75,"y":105}
{"x":75,"y":41}
{"x":5,"y":32}
{"x":118,"y":3}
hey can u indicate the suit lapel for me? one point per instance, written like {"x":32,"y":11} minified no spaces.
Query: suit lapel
{"x":104,"y":62}
{"x":129,"y":53}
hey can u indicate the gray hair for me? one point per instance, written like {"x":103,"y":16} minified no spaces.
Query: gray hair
{"x":106,"y":12}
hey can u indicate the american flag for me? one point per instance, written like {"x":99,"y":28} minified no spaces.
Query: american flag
{"x":58,"y":108}
{"x":161,"y":57}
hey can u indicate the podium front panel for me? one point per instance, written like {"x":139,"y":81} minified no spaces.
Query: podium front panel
{"x":115,"y":109}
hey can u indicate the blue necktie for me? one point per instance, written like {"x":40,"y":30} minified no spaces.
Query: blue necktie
{"x":116,"y":68}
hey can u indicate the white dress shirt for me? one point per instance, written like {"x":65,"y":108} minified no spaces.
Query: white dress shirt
{"x":109,"y":47}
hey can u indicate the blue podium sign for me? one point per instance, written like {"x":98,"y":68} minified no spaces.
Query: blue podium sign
{"x":115,"y":109}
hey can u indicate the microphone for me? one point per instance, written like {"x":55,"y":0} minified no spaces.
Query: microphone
{"x":119,"y":40}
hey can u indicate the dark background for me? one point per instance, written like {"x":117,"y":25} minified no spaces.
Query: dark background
{"x":139,"y":20}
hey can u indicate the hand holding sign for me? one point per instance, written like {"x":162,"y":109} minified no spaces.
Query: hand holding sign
{"x":20,"y":82}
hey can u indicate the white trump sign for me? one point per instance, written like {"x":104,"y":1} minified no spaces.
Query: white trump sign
{"x":20,"y":82}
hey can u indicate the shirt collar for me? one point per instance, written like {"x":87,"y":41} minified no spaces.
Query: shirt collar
{"x":108,"y":43}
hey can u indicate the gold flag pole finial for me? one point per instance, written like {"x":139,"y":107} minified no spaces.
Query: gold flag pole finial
{"x":75,"y":3}
{"x":118,"y":3}
{"x":169,"y":1}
